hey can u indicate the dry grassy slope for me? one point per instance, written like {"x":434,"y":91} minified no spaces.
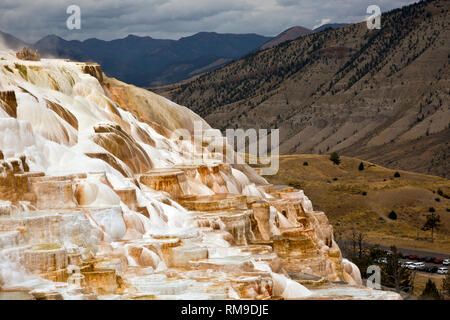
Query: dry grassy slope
{"x":380,"y":95}
{"x":410,"y":196}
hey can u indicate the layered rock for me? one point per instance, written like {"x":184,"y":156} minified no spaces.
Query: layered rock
{"x":28,"y":54}
{"x":96,"y":193}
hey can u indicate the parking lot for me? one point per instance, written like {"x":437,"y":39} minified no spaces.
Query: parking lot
{"x":427,"y":264}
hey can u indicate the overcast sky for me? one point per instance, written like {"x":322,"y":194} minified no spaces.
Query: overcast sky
{"x":30,"y":20}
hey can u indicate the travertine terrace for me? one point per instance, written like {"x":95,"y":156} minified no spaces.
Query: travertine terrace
{"x":98,"y":201}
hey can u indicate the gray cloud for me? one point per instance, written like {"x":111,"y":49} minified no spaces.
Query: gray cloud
{"x":110,"y":19}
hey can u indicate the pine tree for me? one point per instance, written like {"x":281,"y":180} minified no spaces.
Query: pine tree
{"x":334,"y":157}
{"x":394,"y":276}
{"x":432,"y":223}
{"x":361,"y":166}
{"x":392,"y":215}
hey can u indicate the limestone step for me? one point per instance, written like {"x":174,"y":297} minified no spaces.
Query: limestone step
{"x":215,"y":202}
{"x":53,"y":192}
{"x":183,"y":255}
{"x":10,"y":239}
{"x":45,"y":258}
{"x":168,"y":180}
{"x":231,"y":264}
{"x":295,"y":247}
{"x":37,"y":177}
{"x":236,"y":222}
{"x":6,"y":208}
{"x":47,"y":226}
{"x":159,"y":284}
{"x":101,"y":281}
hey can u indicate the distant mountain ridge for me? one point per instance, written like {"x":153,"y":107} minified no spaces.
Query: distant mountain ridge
{"x":11,"y":41}
{"x":149,"y":62}
{"x":145,"y":61}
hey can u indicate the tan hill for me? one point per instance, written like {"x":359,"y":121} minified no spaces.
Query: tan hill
{"x":380,"y":95}
{"x":339,"y":191}
{"x":287,"y":35}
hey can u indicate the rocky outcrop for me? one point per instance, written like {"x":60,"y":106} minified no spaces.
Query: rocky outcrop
{"x":28,"y":54}
{"x":127,"y":212}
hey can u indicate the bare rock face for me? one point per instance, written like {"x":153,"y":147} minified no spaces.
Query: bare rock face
{"x":28,"y":54}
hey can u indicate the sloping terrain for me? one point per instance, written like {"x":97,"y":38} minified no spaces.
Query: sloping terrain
{"x":381,"y":95}
{"x":289,"y":34}
{"x":12,"y":42}
{"x":330,"y":25}
{"x":339,"y":191}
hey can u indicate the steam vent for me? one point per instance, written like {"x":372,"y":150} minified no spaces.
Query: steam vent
{"x":97,"y":201}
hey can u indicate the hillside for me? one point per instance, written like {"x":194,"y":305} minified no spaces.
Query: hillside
{"x":10,"y":41}
{"x":338,"y":190}
{"x":380,"y":95}
{"x":287,"y":35}
{"x":330,"y":25}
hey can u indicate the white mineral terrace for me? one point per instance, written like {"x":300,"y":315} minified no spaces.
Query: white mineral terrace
{"x":97,"y":201}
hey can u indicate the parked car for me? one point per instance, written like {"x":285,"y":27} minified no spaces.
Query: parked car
{"x":446,"y":262}
{"x":429,"y":259}
{"x":442,"y":271}
{"x":423,"y":268}
{"x":432,"y":269}
{"x":438,"y":261}
{"x":407,"y":264}
{"x":412,"y":257}
{"x":420,"y":258}
{"x":415,"y":265}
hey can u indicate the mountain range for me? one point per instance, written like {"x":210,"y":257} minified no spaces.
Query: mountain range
{"x":149,"y":62}
{"x":145,"y":61}
{"x":379,"y":95}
